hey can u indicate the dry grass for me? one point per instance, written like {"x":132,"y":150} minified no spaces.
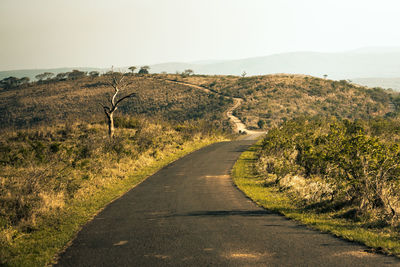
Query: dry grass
{"x":281,"y":97}
{"x":53,"y":102}
{"x":48,"y":172}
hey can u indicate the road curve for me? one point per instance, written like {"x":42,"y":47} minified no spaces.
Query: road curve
{"x":238,"y":125}
{"x":190,"y":214}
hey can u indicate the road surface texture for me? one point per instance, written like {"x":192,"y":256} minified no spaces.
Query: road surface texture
{"x":190,"y":214}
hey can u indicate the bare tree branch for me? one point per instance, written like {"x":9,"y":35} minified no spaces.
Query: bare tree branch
{"x":127,"y":96}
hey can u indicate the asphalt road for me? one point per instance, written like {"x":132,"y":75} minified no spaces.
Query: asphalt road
{"x":191,"y":214}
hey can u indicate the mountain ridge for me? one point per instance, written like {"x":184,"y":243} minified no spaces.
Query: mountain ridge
{"x":355,"y":64}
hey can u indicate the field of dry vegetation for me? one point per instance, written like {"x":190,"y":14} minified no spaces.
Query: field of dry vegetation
{"x":46,"y":170}
{"x":52,"y":101}
{"x":56,"y":156}
{"x":274,"y":99}
{"x":55,"y":152}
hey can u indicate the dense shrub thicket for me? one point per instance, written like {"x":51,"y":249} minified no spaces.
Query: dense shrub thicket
{"x":337,"y":164}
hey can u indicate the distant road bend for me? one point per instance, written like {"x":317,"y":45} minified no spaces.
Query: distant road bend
{"x":239,"y":126}
{"x":190,"y":214}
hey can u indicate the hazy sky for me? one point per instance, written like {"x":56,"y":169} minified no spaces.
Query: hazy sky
{"x":101,"y":33}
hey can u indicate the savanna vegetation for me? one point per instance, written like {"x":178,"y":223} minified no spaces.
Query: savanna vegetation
{"x":57,"y":100}
{"x":65,"y":173}
{"x":331,"y":157}
{"x":274,"y":99}
{"x":59,"y":166}
{"x":330,"y":164}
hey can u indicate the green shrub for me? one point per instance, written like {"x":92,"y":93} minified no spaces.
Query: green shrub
{"x":360,"y":167}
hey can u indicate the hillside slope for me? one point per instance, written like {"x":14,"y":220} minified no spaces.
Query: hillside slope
{"x":267,"y":100}
{"x":58,"y":101}
{"x":280,"y":97}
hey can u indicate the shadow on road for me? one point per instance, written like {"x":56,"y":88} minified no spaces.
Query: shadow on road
{"x":215,"y":213}
{"x":241,"y":148}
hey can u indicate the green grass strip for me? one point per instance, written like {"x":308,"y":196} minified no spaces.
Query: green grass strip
{"x":379,"y":239}
{"x":40,"y":247}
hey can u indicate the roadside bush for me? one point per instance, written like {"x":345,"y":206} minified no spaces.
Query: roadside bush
{"x":348,"y":159}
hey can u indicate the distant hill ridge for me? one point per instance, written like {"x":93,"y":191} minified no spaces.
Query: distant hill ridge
{"x":381,"y":62}
{"x":345,"y":65}
{"x":31,"y":73}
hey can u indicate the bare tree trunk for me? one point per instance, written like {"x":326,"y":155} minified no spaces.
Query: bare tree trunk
{"x":110,"y":123}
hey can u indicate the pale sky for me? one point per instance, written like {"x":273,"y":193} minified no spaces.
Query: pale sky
{"x":101,"y":33}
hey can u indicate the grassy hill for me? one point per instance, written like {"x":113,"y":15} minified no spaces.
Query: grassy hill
{"x":50,"y":102}
{"x":277,"y":98}
{"x":268,"y":100}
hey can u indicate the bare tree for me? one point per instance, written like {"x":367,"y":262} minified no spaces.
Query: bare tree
{"x":119,"y":84}
{"x":244,"y":73}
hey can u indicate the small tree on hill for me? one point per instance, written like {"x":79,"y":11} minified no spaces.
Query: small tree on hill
{"x":24,"y":80}
{"x":144,"y":70}
{"x":244,"y":74}
{"x":76,"y":74}
{"x":188,"y":72}
{"x":117,"y":82}
{"x":94,"y":74}
{"x":9,"y":82}
{"x":48,"y":75}
{"x":40,"y":77}
{"x":44,"y":76}
{"x":13,"y":82}
{"x":132,"y":69}
{"x":61,"y":76}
